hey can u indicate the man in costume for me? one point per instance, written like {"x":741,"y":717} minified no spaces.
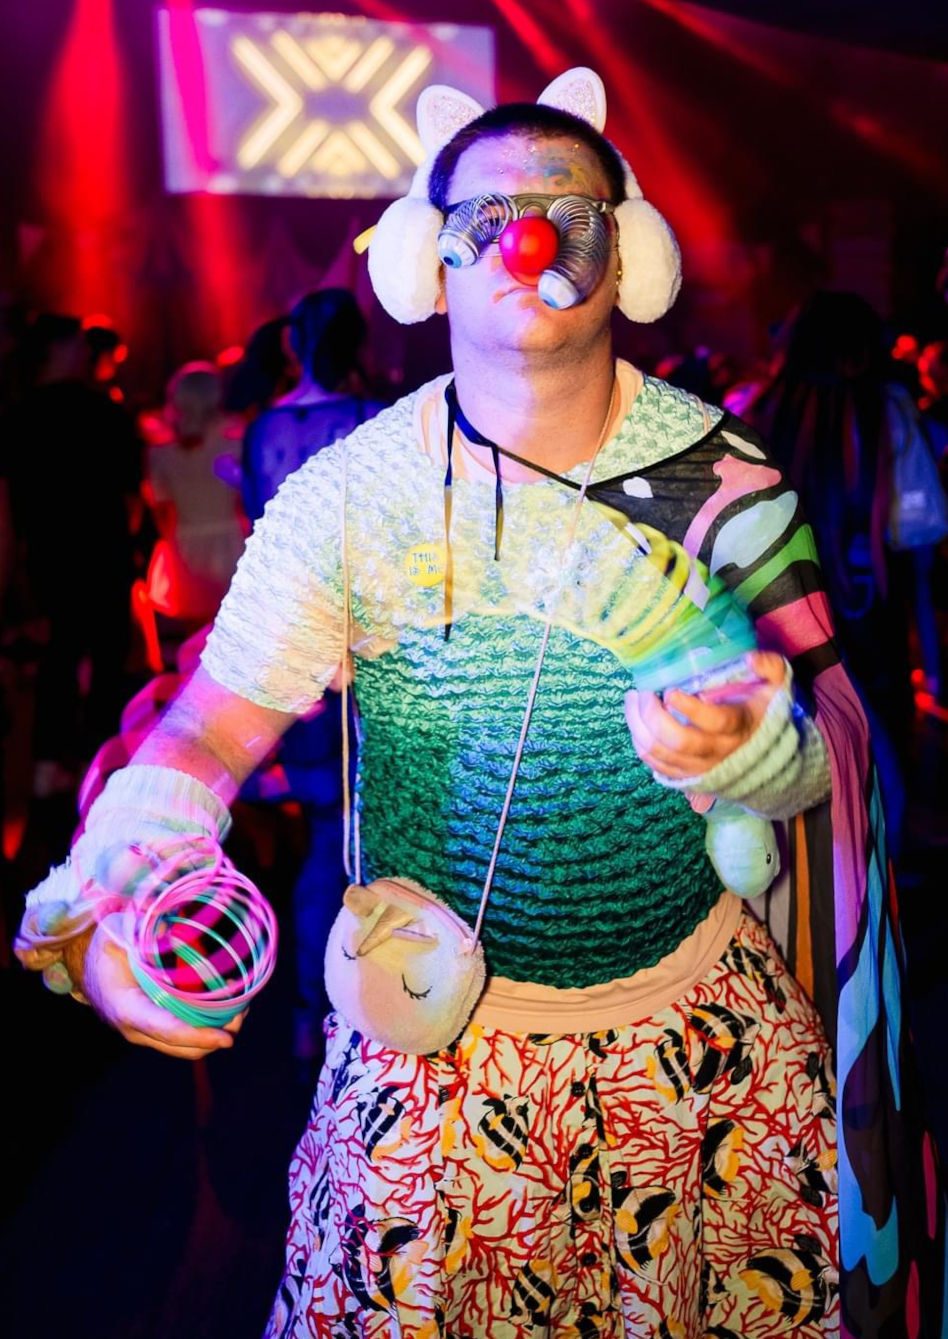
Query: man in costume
{"x":635,"y":1131}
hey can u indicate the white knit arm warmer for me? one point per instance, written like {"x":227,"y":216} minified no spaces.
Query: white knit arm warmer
{"x":140,"y":805}
{"x":780,"y":771}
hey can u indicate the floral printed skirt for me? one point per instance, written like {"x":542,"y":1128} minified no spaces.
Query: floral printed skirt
{"x":672,"y":1178}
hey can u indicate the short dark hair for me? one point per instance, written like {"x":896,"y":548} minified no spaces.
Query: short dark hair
{"x":326,"y":330}
{"x":528,"y":118}
{"x":48,"y":330}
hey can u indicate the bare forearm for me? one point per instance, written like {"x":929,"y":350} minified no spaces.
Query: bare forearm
{"x":213,"y":735}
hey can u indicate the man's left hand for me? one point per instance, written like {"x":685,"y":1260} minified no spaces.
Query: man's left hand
{"x":714,"y":729}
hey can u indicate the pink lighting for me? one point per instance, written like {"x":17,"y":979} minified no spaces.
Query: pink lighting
{"x":188,"y":87}
{"x":84,"y":168}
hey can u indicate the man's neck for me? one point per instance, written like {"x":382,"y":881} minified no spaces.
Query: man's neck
{"x":552,"y":412}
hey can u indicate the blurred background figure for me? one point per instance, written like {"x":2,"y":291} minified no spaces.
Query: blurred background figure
{"x":107,"y":352}
{"x":192,"y":479}
{"x":263,"y":373}
{"x":823,"y":411}
{"x":705,"y":374}
{"x":918,"y":524}
{"x":933,"y":381}
{"x":835,"y":415}
{"x":941,"y":278}
{"x":326,"y":330}
{"x":904,"y":354}
{"x":14,"y":328}
{"x":71,"y":461}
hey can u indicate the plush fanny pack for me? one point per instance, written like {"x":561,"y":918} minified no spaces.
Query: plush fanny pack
{"x":402,"y":967}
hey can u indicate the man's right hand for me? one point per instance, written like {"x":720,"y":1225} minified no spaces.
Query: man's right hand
{"x":215,"y":737}
{"x":99,"y":967}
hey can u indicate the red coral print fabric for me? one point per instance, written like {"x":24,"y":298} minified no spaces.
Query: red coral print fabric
{"x":673,"y":1178}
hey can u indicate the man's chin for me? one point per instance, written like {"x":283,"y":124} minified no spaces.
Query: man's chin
{"x":523,"y":316}
{"x":541,"y":330}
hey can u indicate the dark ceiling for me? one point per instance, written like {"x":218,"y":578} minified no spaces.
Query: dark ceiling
{"x":913,"y":27}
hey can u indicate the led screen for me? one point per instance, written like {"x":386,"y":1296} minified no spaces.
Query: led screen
{"x":304,"y":104}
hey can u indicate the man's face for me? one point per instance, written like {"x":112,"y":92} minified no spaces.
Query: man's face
{"x":489,"y":310}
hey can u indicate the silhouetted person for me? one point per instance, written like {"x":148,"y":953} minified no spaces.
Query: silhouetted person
{"x":264,"y":372}
{"x":107,"y":352}
{"x":826,"y":413}
{"x":326,"y":330}
{"x":72,"y":461}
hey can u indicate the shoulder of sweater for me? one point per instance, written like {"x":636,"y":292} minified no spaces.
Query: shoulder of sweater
{"x":663,"y":422}
{"x":700,"y":410}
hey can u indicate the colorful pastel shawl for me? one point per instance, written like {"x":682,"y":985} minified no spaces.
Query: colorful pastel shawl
{"x":836,"y":916}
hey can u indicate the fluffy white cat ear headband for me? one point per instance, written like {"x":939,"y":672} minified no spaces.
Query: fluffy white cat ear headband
{"x":403,"y":253}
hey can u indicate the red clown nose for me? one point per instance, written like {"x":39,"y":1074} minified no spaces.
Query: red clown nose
{"x":528,"y":246}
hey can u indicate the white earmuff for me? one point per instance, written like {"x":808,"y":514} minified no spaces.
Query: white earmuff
{"x":649,"y":258}
{"x":403,"y":253}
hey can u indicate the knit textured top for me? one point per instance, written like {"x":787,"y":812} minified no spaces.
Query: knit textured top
{"x":601,"y":871}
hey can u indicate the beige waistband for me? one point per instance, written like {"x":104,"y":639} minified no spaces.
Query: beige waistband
{"x":522,"y":1006}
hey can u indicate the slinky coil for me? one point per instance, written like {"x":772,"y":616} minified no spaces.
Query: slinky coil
{"x":583,"y":254}
{"x":473,"y":226}
{"x":200,"y":944}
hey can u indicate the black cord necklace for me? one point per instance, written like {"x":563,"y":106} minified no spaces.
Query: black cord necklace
{"x":457,"y":418}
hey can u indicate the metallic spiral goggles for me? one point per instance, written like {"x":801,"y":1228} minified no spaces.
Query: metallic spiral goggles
{"x":582,"y":255}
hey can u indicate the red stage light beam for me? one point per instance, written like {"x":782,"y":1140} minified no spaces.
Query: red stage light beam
{"x":83,"y":161}
{"x":641,"y":116}
{"x":217,"y":255}
{"x":535,"y":36}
